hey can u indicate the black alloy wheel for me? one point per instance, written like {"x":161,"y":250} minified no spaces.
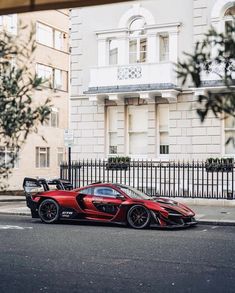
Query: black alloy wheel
{"x":49,"y":211}
{"x":138,"y":217}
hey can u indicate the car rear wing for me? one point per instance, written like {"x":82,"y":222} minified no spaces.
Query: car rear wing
{"x":33,"y":185}
{"x":60,"y":184}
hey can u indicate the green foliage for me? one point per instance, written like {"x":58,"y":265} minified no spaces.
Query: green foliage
{"x":119,"y":159}
{"x":118,"y":163}
{"x":19,"y":113}
{"x":219,"y":164}
{"x":202,"y":59}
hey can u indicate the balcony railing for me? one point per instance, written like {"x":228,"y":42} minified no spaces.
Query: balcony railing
{"x":216,"y":71}
{"x":134,"y":74}
{"x":129,"y":72}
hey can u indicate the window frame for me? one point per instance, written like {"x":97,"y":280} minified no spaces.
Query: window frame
{"x":105,"y":195}
{"x":42,"y":28}
{"x":58,"y":86}
{"x":112,"y":50}
{"x":84,"y":191}
{"x":53,"y":45}
{"x":227,"y":129}
{"x":37,"y":159}
{"x":48,"y":123}
{"x":47,"y":81}
{"x":138,"y":35}
{"x":50,"y":82}
{"x":6,"y":152}
{"x":108,"y":131}
{"x":13,"y":29}
{"x":160,"y":131}
{"x":135,"y":131}
{"x":138,"y":51}
{"x":60,"y":151}
{"x":164,"y":55}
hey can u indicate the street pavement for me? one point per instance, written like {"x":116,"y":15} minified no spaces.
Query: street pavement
{"x":207,"y":211}
{"x":77,"y":257}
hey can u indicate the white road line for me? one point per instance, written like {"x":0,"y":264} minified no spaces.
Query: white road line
{"x":10,"y":227}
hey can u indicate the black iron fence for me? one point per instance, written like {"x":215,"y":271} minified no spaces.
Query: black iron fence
{"x":170,"y":179}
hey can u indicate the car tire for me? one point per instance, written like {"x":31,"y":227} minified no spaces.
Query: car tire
{"x":138,"y":217}
{"x":49,"y":211}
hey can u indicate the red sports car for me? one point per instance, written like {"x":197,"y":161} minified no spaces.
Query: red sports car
{"x":103,"y":202}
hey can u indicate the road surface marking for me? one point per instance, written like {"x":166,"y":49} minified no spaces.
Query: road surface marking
{"x":10,"y":227}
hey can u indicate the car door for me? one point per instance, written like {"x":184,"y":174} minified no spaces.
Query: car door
{"x":102,"y":203}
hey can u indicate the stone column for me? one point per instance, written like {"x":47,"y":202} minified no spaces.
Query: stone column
{"x":152,"y":49}
{"x":173,"y":46}
{"x":123,"y":50}
{"x":102,"y":52}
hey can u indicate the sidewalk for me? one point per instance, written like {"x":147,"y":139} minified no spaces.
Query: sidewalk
{"x":11,"y":198}
{"x":209,"y":211}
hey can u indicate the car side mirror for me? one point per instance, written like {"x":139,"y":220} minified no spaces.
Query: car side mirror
{"x":120,"y":196}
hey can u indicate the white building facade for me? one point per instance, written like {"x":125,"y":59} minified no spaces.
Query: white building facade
{"x":126,"y":98}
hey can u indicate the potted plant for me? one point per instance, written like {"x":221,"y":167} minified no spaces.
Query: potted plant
{"x":118,"y":163}
{"x":219,"y":165}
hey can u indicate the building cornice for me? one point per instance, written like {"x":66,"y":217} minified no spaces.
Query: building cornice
{"x":169,"y":27}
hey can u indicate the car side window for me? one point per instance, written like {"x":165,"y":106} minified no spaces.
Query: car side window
{"x":87,"y":191}
{"x":105,"y":192}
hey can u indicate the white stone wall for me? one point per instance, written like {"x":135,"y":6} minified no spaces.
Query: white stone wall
{"x":190,"y":138}
{"x":87,"y":121}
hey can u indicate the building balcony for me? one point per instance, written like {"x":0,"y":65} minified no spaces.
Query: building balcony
{"x":154,"y":78}
{"x":213,"y":74}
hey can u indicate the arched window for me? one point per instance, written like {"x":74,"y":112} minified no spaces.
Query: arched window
{"x":137,"y":41}
{"x":229,"y":18}
{"x":230,"y":11}
{"x":137,"y":26}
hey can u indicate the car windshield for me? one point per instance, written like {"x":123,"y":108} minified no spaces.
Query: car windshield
{"x":133,"y":193}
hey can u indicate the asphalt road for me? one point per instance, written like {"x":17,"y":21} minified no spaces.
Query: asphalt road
{"x":73,"y":257}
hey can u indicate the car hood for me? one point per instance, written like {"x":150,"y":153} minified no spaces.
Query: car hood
{"x":174,"y":205}
{"x":169,"y":205}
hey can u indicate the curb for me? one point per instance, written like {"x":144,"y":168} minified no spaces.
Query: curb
{"x":216,"y":222}
{"x":12,"y":200}
{"x":16,"y":214}
{"x":206,"y":202}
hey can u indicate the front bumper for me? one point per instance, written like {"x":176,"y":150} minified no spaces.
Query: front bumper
{"x":176,"y":226}
{"x":173,"y":221}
